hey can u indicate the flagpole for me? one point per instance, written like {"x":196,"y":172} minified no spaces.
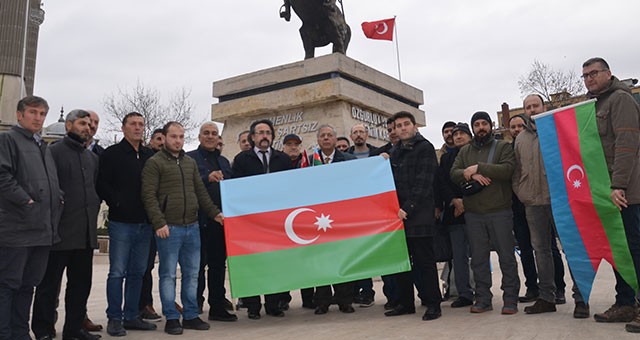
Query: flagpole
{"x":395,"y":29}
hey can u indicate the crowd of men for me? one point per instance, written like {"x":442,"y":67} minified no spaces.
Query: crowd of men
{"x":164,"y":201}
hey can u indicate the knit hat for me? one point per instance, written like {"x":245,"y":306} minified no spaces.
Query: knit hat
{"x":481,"y":115}
{"x":464,"y":127}
{"x":448,"y":125}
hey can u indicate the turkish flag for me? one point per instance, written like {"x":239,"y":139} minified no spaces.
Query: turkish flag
{"x":381,"y":29}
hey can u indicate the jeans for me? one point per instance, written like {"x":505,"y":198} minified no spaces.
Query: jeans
{"x":461,"y":270}
{"x":128,"y":256}
{"x":146,"y":298}
{"x":181,"y":247}
{"x":625,"y":295}
{"x":21,"y":269}
{"x":486,"y":230}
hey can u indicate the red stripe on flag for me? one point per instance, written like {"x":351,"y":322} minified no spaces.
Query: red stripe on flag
{"x":301,"y":226}
{"x":579,"y":192}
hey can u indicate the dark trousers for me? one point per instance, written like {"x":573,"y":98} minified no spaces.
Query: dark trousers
{"x":523,"y":237}
{"x":422,"y":256}
{"x":146,"y":298}
{"x":625,"y":295}
{"x":364,"y":288}
{"x":213,"y":256}
{"x":21,"y":269}
{"x":307,"y":295}
{"x":343,"y":293}
{"x":270,"y":302}
{"x":79,"y":265}
{"x":558,"y":263}
{"x":390,"y":289}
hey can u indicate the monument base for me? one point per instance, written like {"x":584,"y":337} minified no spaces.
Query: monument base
{"x":10,"y":94}
{"x":299,"y":97}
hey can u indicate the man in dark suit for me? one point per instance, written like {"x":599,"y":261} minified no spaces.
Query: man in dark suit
{"x":261,"y":159}
{"x":344,"y":292}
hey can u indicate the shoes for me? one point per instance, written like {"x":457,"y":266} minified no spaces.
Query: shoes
{"x":389,"y":305}
{"x":82,"y":335}
{"x":178,"y":307}
{"x":480,"y":307}
{"x":275,"y":312}
{"x":529,"y":296}
{"x":541,"y":306}
{"x":149,"y":314}
{"x":509,"y":309}
{"x":254,"y":315}
{"x":358,"y":298}
{"x":347,"y":308}
{"x":581,"y":311}
{"x":321,"y":310}
{"x":308,"y":305}
{"x":196,"y":324}
{"x":115,"y":328}
{"x":461,"y":302}
{"x":366,"y":301}
{"x":89,"y":326}
{"x":400,"y":310}
{"x":432,"y":313}
{"x":222,"y":315}
{"x":227,"y":304}
{"x":240,"y":304}
{"x":560,"y":299}
{"x":173,"y":327}
{"x":138,"y":324}
{"x":633,"y":326}
{"x":617,"y":313}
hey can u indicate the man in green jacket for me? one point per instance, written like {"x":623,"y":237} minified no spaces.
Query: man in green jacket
{"x":488,"y":215}
{"x":172,"y":193}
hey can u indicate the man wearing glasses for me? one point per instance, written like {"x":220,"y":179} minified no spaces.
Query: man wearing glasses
{"x":618,"y":119}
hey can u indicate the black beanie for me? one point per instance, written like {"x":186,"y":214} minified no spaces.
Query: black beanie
{"x":481,"y":115}
{"x":448,"y":125}
{"x":462,"y":127}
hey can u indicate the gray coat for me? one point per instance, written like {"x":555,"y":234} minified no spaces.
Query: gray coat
{"x":27,"y":171}
{"x":77,"y":169}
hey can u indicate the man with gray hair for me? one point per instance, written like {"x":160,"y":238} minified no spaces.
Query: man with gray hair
{"x":78,"y":170}
{"x":30,"y":207}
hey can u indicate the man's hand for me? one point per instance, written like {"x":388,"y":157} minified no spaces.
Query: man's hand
{"x":402,"y":214}
{"x":216,"y":176}
{"x":470,"y":171}
{"x":458,"y":206}
{"x":385,"y":155}
{"x":163,"y":232}
{"x":619,"y":198}
{"x":30,"y":201}
{"x":438,"y":212}
{"x":219,"y":218}
{"x":481,"y":179}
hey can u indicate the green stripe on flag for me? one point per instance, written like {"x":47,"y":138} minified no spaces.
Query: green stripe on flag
{"x":596,"y":167}
{"x":318,"y":265}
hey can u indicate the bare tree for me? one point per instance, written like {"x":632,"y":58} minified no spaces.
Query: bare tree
{"x":547,"y":81}
{"x":148,"y":102}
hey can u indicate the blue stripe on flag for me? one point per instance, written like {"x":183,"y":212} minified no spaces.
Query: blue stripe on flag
{"x":576,"y":253}
{"x":308,"y":186}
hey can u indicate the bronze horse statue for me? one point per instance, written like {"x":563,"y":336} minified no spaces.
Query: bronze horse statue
{"x":322,"y":23}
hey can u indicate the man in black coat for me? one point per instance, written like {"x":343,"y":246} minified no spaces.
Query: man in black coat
{"x":414,"y":168}
{"x":77,"y":169}
{"x":213,"y":168}
{"x":342,"y":292}
{"x":30,"y":207}
{"x":261,"y":159}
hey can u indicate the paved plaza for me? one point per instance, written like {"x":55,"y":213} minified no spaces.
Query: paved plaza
{"x":370,"y":323}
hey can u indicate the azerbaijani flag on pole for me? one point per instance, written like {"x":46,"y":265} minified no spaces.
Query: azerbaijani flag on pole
{"x":589,"y":224}
{"x":312,"y":227}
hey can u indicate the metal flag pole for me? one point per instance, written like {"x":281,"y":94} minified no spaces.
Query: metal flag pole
{"x":395,"y":29}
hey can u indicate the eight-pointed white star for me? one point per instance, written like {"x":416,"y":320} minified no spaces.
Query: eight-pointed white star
{"x":324,"y":222}
{"x":577,"y":183}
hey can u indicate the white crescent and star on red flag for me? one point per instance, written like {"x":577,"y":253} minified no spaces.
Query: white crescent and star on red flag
{"x":577,"y":183}
{"x":323,"y":222}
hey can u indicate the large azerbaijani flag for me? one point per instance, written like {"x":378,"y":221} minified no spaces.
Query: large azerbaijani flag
{"x":312,"y":227}
{"x":589,"y":224}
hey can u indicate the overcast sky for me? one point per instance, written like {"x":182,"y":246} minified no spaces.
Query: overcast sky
{"x":465,"y":55}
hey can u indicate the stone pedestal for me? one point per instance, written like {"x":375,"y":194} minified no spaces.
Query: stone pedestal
{"x":299,"y":97}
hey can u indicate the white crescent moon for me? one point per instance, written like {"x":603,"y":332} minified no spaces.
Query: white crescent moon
{"x":575,"y":167}
{"x":386,"y":28}
{"x":288,"y":227}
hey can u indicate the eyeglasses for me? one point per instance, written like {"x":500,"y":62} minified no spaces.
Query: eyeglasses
{"x":591,"y":74}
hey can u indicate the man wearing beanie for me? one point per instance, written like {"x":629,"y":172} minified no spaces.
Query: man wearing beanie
{"x":488,"y":216}
{"x":453,"y":216}
{"x":447,"y":135}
